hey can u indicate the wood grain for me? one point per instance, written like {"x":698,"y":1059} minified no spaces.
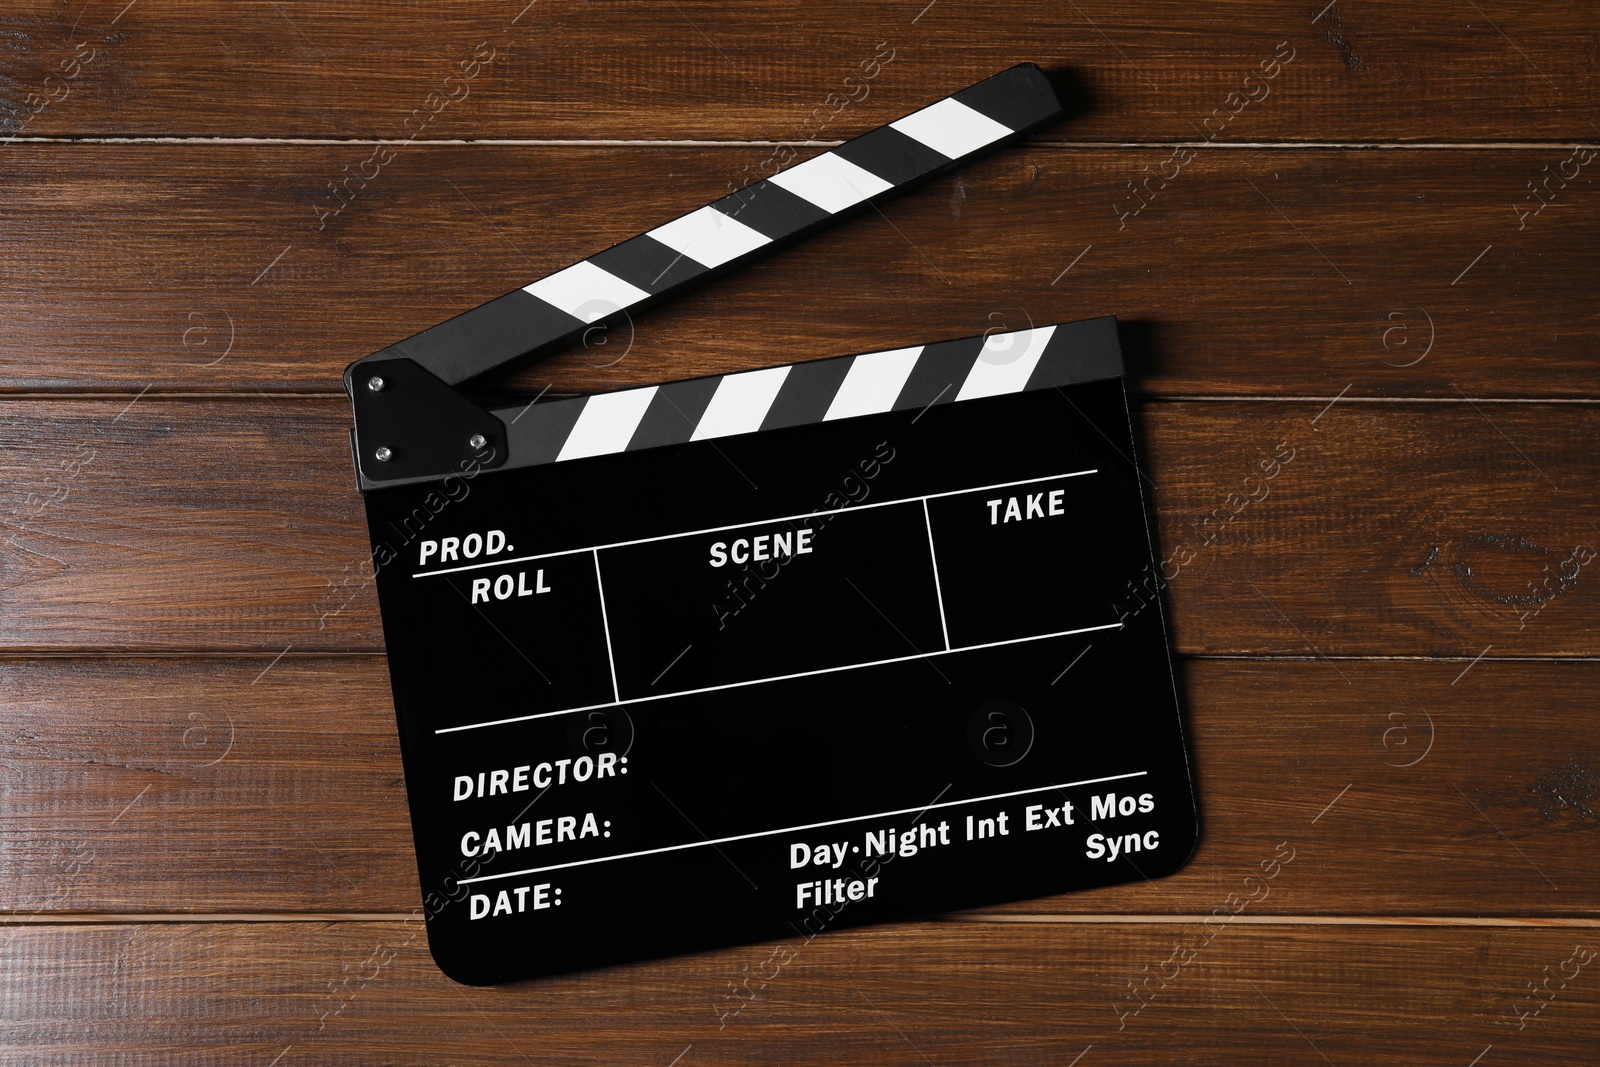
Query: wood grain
{"x":197,"y":724}
{"x":1250,"y":273}
{"x":1395,"y":529}
{"x":246,"y":785}
{"x":716,"y":69}
{"x":955,"y":993}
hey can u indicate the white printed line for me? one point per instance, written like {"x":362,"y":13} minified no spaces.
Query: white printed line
{"x":777,"y":678}
{"x":744,"y":525}
{"x":795,"y":829}
{"x":934,"y":559}
{"x":605,"y":624}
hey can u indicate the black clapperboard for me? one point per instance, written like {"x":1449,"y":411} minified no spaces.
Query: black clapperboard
{"x":768,"y":654}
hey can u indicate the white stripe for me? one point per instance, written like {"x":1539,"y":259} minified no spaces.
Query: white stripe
{"x":951,"y":128}
{"x":831,"y":182}
{"x":709,"y":237}
{"x":872,"y":383}
{"x":740,"y":403}
{"x":606,"y":423}
{"x":586,"y":292}
{"x":1005,"y":363}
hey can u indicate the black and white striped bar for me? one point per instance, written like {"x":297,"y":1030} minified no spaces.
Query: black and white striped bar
{"x":719,"y":236}
{"x":818,"y":391}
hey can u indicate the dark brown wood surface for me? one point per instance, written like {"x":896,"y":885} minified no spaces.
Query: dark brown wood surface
{"x":1295,"y":272}
{"x":1387,"y":264}
{"x":273,"y":786}
{"x":942,"y":993}
{"x":722,"y":70}
{"x":173,"y":525}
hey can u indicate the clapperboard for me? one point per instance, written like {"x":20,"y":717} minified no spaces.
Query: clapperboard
{"x":769,"y":654}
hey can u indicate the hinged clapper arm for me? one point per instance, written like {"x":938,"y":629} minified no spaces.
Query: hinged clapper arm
{"x":656,"y":265}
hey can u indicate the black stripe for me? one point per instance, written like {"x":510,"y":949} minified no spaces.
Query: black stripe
{"x":771,"y":210}
{"x":892,"y":156}
{"x":673,"y":413}
{"x":939,"y":372}
{"x":1018,"y":98}
{"x":806,"y":392}
{"x":1079,"y":352}
{"x":537,"y":434}
{"x":647,"y":263}
{"x":486,"y":336}
{"x":518,"y":323}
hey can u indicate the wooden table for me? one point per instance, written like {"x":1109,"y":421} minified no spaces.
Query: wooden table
{"x":1358,"y":234}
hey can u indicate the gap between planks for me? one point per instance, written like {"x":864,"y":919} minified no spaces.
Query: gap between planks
{"x":16,"y":654}
{"x":602,"y":142}
{"x":24,"y":394}
{"x":147,"y":918}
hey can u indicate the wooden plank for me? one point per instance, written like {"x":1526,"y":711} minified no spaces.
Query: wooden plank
{"x":230,"y":524}
{"x":1409,"y":529}
{"x":954,"y":993}
{"x":1261,"y":273}
{"x":717,"y":69}
{"x":247,"y":785}
{"x":1389,"y":529}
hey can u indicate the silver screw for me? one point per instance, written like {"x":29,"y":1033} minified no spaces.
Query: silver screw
{"x":383,"y":455}
{"x":477,"y":441}
{"x":375,"y":383}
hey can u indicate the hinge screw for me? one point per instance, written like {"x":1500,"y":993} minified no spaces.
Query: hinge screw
{"x":477,"y":441}
{"x":383,"y":455}
{"x":375,"y":384}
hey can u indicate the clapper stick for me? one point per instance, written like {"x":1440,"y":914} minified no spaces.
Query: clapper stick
{"x":729,"y":232}
{"x":410,"y":424}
